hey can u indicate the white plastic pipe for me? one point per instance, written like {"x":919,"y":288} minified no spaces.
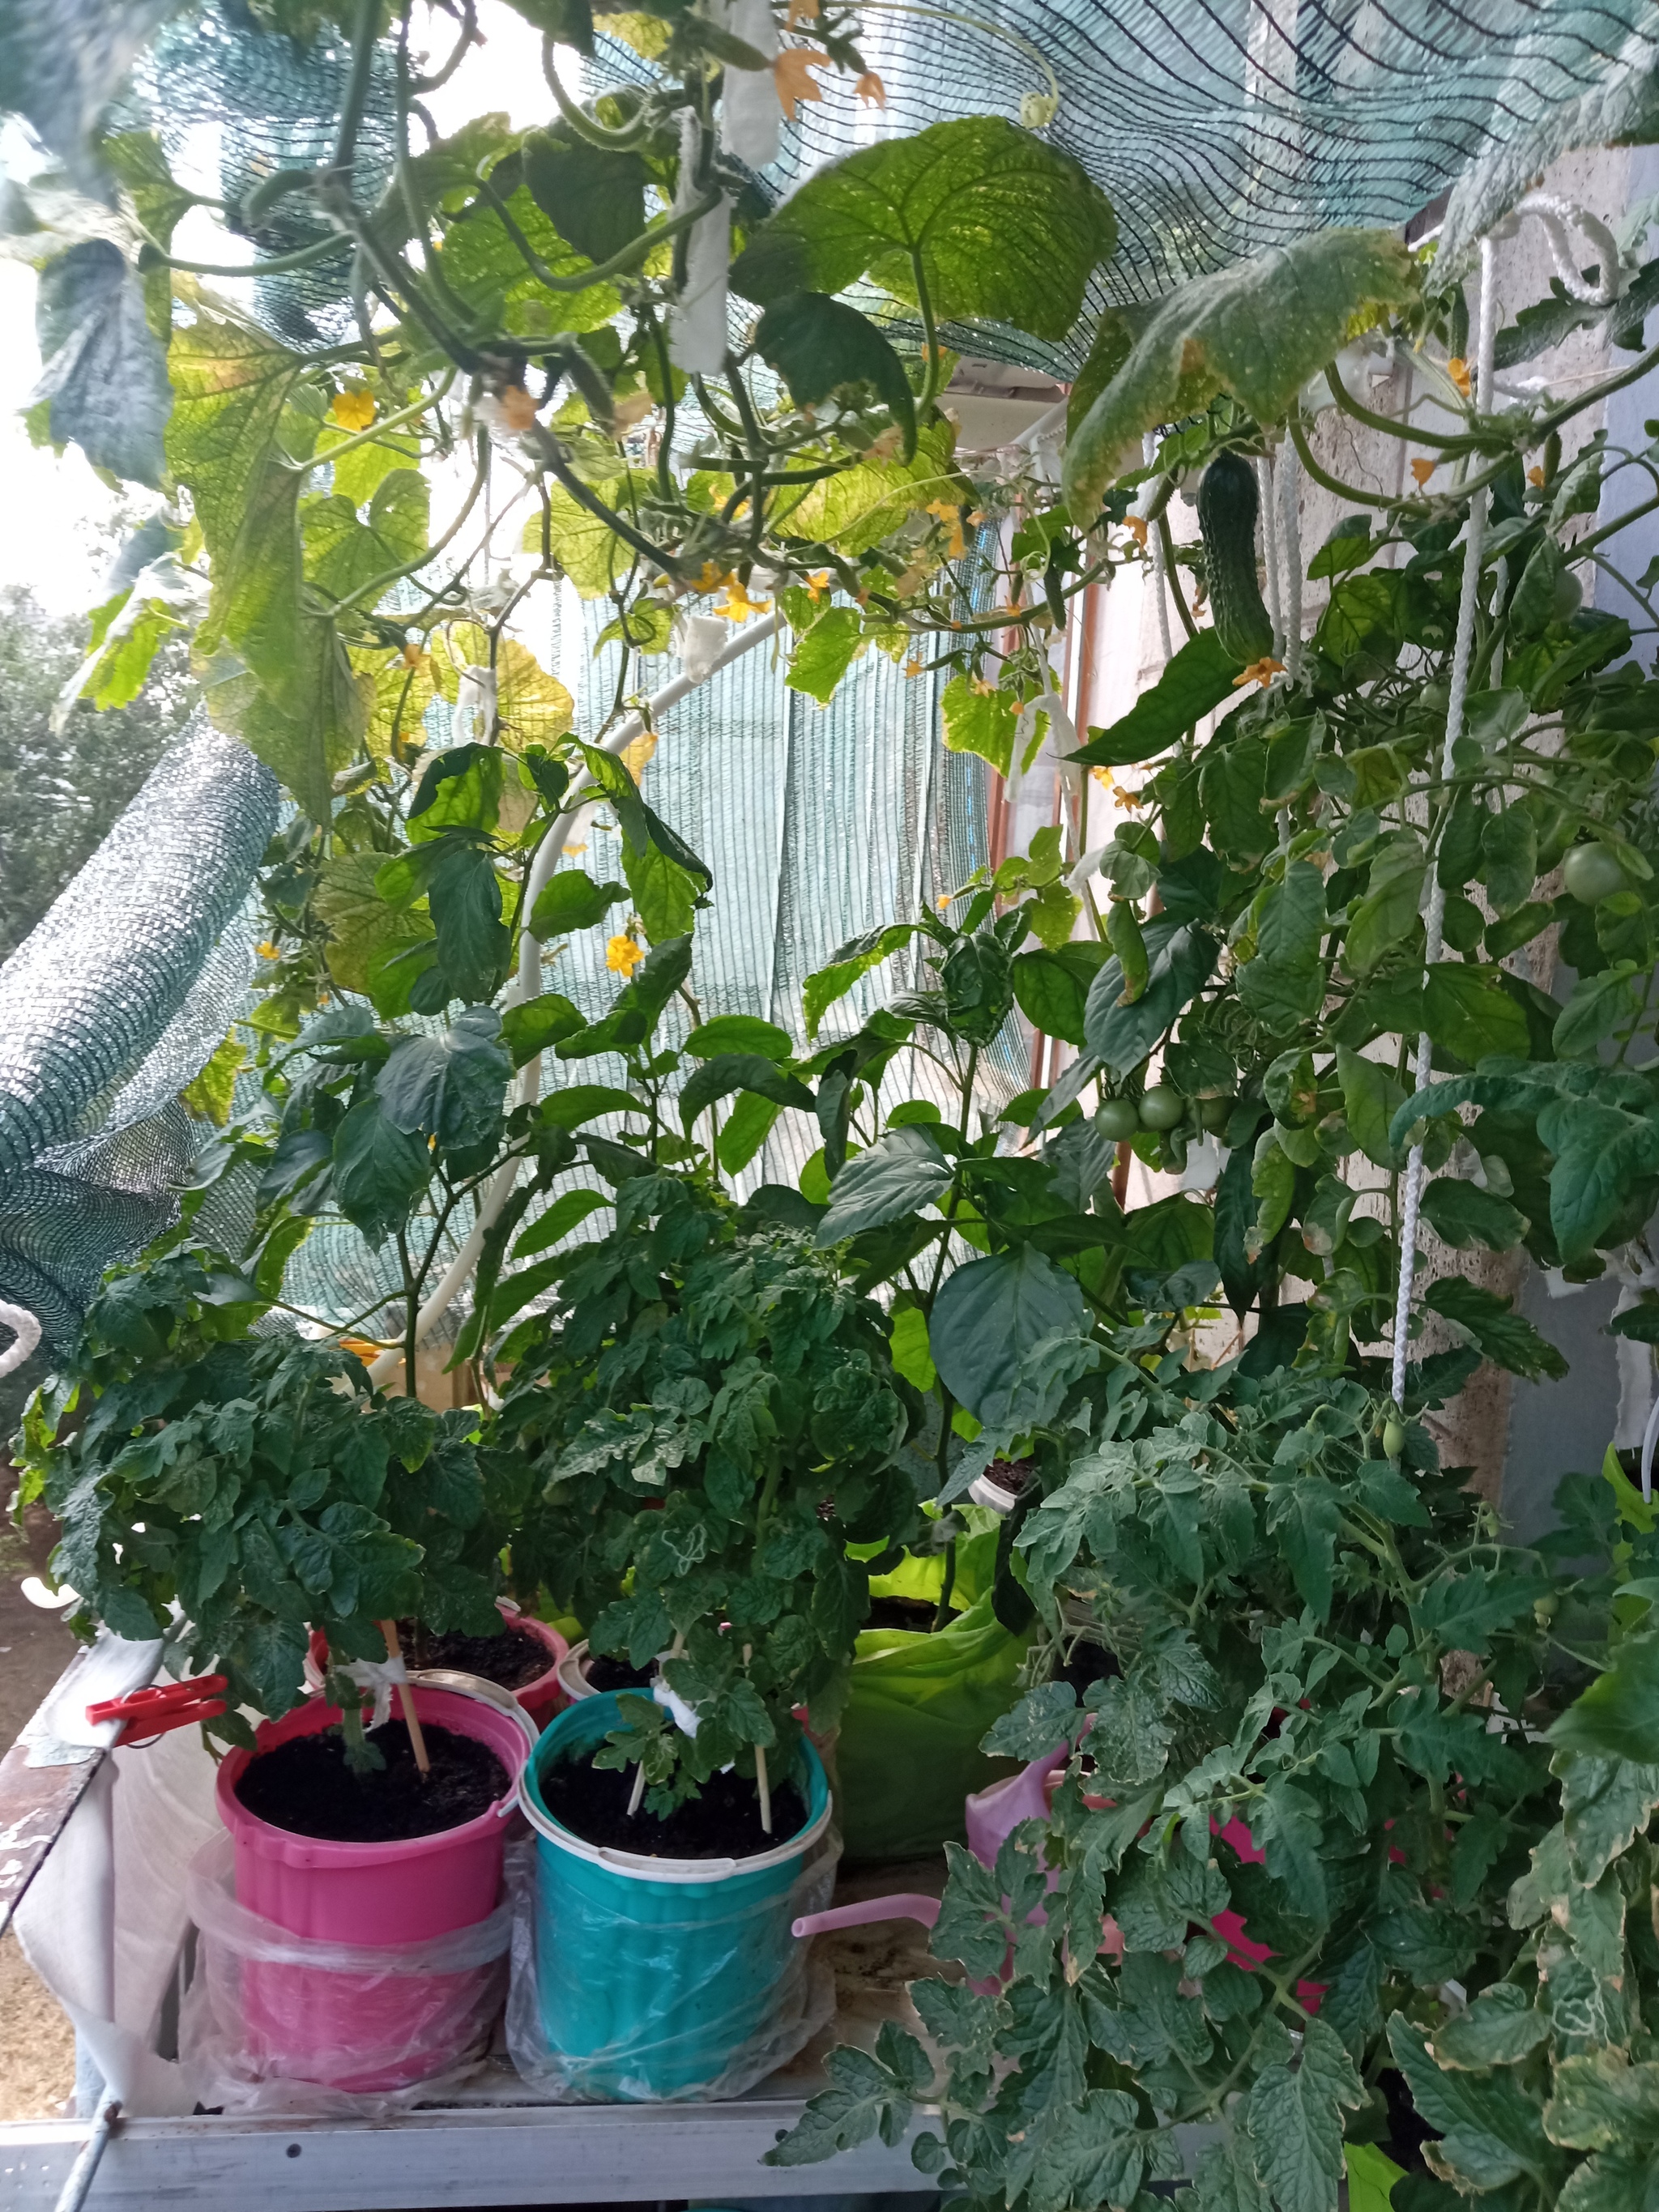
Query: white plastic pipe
{"x":528,"y":983}
{"x":1474,"y":538}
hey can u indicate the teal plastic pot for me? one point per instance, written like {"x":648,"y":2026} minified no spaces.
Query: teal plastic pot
{"x":657,"y":1977}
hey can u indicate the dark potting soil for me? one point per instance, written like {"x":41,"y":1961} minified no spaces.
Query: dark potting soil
{"x":618,"y":1674}
{"x":305,"y":1785}
{"x":510,"y":1659}
{"x":723,"y":1823}
{"x":1010,"y":1476}
{"x":912,"y":1612}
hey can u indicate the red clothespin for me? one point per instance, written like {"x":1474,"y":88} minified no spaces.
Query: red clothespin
{"x":147,"y":1714}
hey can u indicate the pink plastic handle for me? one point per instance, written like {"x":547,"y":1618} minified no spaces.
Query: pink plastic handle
{"x":905,"y":1906}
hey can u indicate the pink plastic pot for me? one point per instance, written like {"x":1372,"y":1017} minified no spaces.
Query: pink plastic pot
{"x":374,"y":1895}
{"x":540,"y":1698}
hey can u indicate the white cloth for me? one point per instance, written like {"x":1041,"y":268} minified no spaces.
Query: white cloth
{"x":103,"y":1922}
{"x":697,"y":336}
{"x":381,"y":1676}
{"x":683,"y":1716}
{"x":751,"y":112}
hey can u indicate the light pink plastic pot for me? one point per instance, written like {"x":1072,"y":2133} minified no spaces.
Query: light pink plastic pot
{"x":541,"y":1699}
{"x":373,"y":1895}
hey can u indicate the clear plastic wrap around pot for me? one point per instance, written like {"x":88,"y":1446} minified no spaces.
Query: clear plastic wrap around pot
{"x":672,"y":2032}
{"x":274,"y":2022}
{"x":907,"y":1756}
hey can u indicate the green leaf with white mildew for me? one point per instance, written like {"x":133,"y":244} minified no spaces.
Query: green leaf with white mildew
{"x":1007,"y":227}
{"x":1499,"y":2029}
{"x":1295,"y":2121}
{"x":1491,"y":2133}
{"x":1257,"y":330}
{"x":1601,"y":2101}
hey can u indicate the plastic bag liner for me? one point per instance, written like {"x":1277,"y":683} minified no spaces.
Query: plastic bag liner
{"x":253,"y":2039}
{"x":644,"y":1979}
{"x":907,"y":1756}
{"x":662,"y":2045}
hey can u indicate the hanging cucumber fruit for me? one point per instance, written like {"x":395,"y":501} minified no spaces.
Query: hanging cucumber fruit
{"x":1226,"y":521}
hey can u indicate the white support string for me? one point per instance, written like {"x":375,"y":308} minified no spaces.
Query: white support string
{"x":528,"y":983}
{"x":25,"y":1335}
{"x":1267,"y":501}
{"x":1558,"y":216}
{"x":1474,"y":538}
{"x":1160,"y":590}
{"x":1288,"y":476}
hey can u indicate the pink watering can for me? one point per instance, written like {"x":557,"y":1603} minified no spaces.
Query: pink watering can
{"x":991,"y":1817}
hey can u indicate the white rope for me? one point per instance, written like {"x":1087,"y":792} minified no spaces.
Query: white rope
{"x":1557,"y":216}
{"x":1268,"y":522}
{"x":1648,"y":1437}
{"x":528,"y":983}
{"x":1148,"y":454}
{"x":1474,"y":538}
{"x":25,"y":1335}
{"x":1289,"y":475}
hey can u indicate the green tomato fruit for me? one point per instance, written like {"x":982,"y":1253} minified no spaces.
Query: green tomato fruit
{"x":1394,"y":1439}
{"x":1117,"y":1118}
{"x":1591,"y":873}
{"x":1567,"y":596}
{"x":1214,"y":1114}
{"x":1161,"y":1107}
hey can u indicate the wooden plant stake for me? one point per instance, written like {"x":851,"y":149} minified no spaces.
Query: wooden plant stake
{"x":760,"y":1782}
{"x":406,"y":1700}
{"x":764,"y":1787}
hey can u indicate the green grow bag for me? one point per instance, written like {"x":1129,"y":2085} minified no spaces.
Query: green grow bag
{"x":908,"y":1753}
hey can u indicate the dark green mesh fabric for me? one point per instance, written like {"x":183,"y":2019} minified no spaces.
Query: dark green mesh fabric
{"x":108,"y":1007}
{"x":1218,"y":128}
{"x":273,"y":104}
